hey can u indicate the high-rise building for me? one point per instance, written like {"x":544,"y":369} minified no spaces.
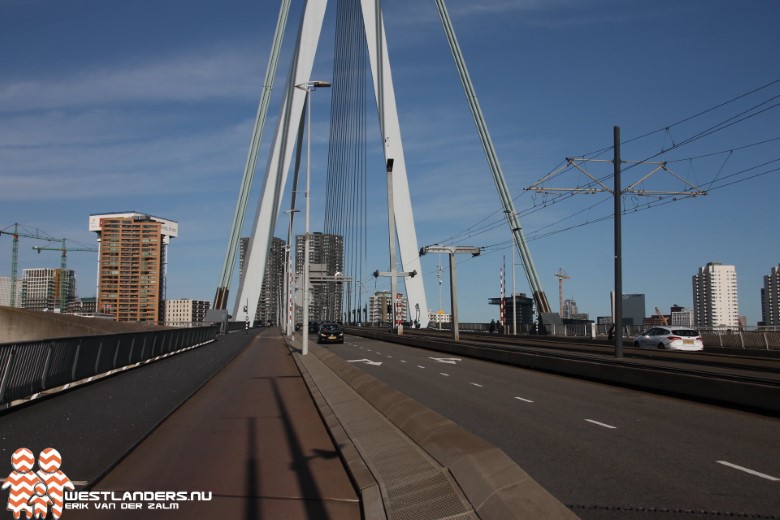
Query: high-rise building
{"x":185,"y":312}
{"x":569,"y":308}
{"x":326,"y":259}
{"x":437,"y":317}
{"x":770,"y":298}
{"x":41,"y":289}
{"x":681,"y":317}
{"x":5,"y":292}
{"x":525,"y":310}
{"x":132,"y":264}
{"x":380,"y":308}
{"x":633,"y":308}
{"x":269,"y":303}
{"x":715,"y":301}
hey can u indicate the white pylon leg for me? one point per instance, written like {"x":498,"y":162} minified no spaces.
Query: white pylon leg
{"x":279,"y":160}
{"x":391,"y":135}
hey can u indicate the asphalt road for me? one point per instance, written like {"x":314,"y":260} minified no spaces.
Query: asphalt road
{"x":93,"y":425}
{"x":606,"y":452}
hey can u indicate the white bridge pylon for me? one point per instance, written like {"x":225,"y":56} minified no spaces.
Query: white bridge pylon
{"x":284,"y":143}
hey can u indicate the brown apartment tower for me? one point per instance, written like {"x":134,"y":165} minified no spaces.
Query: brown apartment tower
{"x":132,"y":264}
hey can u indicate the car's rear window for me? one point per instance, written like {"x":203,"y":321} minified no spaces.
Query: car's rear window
{"x":688,"y":333}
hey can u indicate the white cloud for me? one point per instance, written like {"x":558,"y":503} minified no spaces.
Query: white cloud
{"x":219,"y":73}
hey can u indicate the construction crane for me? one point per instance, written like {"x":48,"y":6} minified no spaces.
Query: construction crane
{"x":64,"y":266}
{"x":561,"y":275}
{"x":661,"y":315}
{"x":36,"y":234}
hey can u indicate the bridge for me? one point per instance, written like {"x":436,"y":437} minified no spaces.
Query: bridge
{"x":264,"y":423}
{"x":389,"y":426}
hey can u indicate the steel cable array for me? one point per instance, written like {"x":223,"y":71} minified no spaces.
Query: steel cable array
{"x":346,"y":187}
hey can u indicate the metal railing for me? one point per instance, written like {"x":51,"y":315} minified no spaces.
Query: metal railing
{"x":748,"y":338}
{"x":29,"y":368}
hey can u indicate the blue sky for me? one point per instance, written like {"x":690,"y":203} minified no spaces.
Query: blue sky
{"x":148,"y":106}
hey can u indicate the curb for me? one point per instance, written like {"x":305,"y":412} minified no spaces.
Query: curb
{"x":371,"y":502}
{"x":494,"y":484}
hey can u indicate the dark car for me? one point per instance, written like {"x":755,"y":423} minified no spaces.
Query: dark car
{"x":330,"y":333}
{"x":314,"y":327}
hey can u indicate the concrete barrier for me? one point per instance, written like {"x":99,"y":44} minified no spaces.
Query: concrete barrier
{"x":494,"y":484}
{"x":18,"y":325}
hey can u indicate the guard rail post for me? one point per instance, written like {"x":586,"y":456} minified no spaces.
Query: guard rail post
{"x":75,"y":363}
{"x":46,"y":365}
{"x":6,"y":374}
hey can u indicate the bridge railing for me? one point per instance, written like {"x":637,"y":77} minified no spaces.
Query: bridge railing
{"x":29,"y":368}
{"x":764,"y":339}
{"x":746,"y":338}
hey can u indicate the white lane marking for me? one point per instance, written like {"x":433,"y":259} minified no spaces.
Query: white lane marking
{"x":366,"y":361}
{"x":448,"y":360}
{"x":601,"y":424}
{"x":521,"y":399}
{"x":420,"y":366}
{"x":476,"y":384}
{"x":445,"y":375}
{"x":403,"y":361}
{"x":746,"y":470}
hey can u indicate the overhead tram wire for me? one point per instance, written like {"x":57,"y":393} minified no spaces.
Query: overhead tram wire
{"x":703,"y":112}
{"x":756,"y":109}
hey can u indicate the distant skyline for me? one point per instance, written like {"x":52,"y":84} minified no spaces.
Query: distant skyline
{"x":148,"y":107}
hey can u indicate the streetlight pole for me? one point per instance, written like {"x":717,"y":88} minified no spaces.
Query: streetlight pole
{"x":309,"y":87}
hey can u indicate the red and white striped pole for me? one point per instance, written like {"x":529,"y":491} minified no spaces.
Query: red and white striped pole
{"x":501,"y":293}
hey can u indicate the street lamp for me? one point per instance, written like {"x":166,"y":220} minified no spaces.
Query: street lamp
{"x":309,"y":87}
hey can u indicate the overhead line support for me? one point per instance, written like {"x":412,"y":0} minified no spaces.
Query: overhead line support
{"x":452,"y":251}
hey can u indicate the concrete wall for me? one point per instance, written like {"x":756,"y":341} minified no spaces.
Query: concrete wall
{"x":17,"y":325}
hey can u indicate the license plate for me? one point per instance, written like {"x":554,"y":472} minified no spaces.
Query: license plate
{"x":688,"y":342}
{"x":331,"y":337}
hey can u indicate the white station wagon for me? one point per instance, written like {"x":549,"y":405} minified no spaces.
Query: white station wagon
{"x":671,"y":338}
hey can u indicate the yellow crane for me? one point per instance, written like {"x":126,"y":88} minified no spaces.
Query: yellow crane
{"x":561,"y":275}
{"x":661,"y":315}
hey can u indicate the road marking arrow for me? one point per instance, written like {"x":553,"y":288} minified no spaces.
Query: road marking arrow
{"x":366,"y":361}
{"x":448,"y":360}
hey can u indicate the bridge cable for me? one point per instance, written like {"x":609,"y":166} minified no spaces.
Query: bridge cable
{"x":346,"y":206}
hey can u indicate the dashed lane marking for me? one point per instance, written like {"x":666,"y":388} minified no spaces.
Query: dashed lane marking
{"x":746,"y":470}
{"x":477,"y":385}
{"x":601,"y":424}
{"x":522,"y":399}
{"x":445,"y":375}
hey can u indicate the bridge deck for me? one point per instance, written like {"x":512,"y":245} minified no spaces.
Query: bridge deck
{"x":253,"y":437}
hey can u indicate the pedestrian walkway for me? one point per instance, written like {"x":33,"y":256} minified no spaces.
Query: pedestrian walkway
{"x":252,"y":437}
